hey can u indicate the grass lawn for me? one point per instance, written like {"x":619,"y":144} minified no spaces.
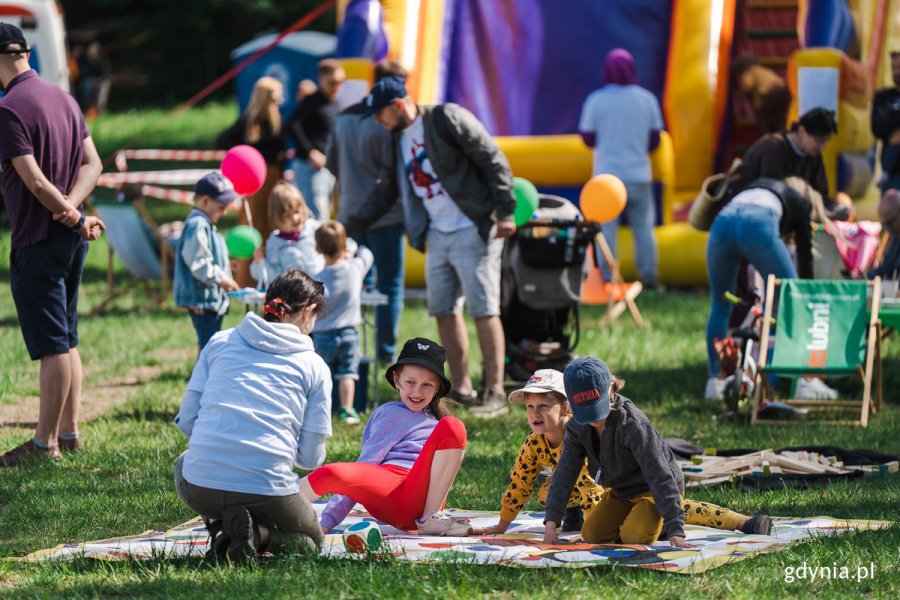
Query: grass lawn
{"x":123,"y":484}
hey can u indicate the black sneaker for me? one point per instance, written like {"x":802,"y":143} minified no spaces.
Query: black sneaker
{"x":573,"y":520}
{"x":237,"y":524}
{"x":218,"y":541}
{"x":758,"y":524}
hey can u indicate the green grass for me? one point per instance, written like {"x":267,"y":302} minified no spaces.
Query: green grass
{"x":123,"y":483}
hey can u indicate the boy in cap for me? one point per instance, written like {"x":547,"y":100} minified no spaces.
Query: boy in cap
{"x":645,"y":484}
{"x":202,"y":272}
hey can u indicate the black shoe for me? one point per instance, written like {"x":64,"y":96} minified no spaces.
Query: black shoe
{"x":573,"y":520}
{"x":237,"y":524}
{"x":758,"y":524}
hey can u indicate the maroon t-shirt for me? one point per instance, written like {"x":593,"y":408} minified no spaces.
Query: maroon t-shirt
{"x":42,"y":120}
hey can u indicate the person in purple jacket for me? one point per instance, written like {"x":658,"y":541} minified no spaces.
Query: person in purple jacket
{"x":411,"y":452}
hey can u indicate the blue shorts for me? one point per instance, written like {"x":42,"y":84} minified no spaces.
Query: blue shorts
{"x":44,"y":279}
{"x":207,"y":324}
{"x":339,"y":348}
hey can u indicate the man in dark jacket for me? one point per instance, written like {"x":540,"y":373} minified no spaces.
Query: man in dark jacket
{"x":886,"y":126}
{"x":455,"y":187}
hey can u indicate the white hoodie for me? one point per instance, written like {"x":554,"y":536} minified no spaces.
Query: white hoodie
{"x":259,"y":401}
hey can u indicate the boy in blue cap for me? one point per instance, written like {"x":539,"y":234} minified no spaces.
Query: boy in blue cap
{"x":202,"y":272}
{"x":622,"y":447}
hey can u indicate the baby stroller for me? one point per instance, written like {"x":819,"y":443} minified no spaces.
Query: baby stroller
{"x":543,"y":268}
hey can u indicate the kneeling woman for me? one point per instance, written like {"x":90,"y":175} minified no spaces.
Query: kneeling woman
{"x":258,"y":403}
{"x":411,"y":453}
{"x":645,"y":487}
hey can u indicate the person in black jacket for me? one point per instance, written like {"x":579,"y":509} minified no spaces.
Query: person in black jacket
{"x":645,"y":487}
{"x":886,"y":126}
{"x":752,"y":227}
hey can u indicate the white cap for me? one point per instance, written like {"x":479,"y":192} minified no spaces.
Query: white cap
{"x":542,"y":382}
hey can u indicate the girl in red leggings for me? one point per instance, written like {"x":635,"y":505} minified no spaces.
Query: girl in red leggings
{"x":411,"y":452}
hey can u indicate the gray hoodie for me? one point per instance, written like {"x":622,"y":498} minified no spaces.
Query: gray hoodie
{"x":258,"y":402}
{"x":629,"y":457}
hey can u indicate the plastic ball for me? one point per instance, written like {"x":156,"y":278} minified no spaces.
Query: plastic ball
{"x":242,"y":241}
{"x":363,"y":537}
{"x":527,"y":200}
{"x":603,"y":198}
{"x":246,"y":168}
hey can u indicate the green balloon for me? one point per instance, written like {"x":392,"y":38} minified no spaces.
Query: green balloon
{"x":242,"y":241}
{"x":526,"y":200}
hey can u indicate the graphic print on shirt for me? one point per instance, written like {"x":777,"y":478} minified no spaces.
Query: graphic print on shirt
{"x":420,"y":173}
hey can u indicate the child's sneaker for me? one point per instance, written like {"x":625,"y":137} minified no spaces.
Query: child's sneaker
{"x":573,"y":520}
{"x":758,"y":524}
{"x":809,"y":388}
{"x":442,"y":524}
{"x":349,"y":416}
{"x":715,"y":388}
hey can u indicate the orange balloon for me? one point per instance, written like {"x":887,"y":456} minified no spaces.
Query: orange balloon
{"x":603,"y":198}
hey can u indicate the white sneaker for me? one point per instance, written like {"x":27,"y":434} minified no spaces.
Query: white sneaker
{"x":442,"y":524}
{"x":714,"y":389}
{"x":814,"y":389}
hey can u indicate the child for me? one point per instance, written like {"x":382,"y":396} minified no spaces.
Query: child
{"x":292,"y":243}
{"x":258,"y":403}
{"x":202,"y":272}
{"x":335,"y":335}
{"x":544,"y":397}
{"x":646,"y":486}
{"x":411,"y":453}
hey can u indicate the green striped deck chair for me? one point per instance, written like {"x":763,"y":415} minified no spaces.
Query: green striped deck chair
{"x":823,"y":328}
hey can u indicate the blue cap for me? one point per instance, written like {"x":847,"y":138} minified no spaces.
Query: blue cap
{"x":587,"y":382}
{"x":218,"y":187}
{"x":383,"y":94}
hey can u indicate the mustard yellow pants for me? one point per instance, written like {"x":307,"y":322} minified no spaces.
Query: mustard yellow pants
{"x":637,"y":521}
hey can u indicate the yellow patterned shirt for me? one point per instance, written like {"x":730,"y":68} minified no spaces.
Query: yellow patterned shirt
{"x":536,"y":463}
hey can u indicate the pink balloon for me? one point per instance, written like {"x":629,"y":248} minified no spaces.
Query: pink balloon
{"x":246,"y":168}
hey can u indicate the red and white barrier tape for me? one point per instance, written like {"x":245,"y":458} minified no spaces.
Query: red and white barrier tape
{"x":182,"y":177}
{"x":176,"y":155}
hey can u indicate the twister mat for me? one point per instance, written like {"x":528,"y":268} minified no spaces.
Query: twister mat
{"x":520,"y":546}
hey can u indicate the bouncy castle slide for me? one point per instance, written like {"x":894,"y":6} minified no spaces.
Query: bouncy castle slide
{"x":524,"y":68}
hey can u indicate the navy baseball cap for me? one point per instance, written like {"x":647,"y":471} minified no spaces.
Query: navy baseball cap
{"x":218,"y":187}
{"x":383,"y":94}
{"x":587,"y":382}
{"x":10,"y":34}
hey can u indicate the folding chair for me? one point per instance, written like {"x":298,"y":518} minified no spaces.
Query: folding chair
{"x":823,"y":328}
{"x":132,"y":235}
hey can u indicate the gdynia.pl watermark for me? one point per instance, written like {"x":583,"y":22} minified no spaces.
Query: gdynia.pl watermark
{"x":809,"y":573}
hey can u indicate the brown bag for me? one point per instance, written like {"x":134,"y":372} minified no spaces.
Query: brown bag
{"x":706,"y":205}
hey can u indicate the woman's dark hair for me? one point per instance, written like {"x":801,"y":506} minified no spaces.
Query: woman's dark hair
{"x":291,"y":292}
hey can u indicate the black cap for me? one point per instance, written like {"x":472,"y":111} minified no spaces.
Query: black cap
{"x":424,"y":353}
{"x":10,"y":34}
{"x":819,"y":121}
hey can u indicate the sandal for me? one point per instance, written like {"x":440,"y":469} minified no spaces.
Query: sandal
{"x":463,"y":398}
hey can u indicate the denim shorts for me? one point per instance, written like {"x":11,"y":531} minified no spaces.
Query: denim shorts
{"x":460,"y":268}
{"x":339,"y":348}
{"x":44,"y":279}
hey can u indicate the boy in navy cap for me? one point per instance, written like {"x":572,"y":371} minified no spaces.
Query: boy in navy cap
{"x":629,"y":457}
{"x":202,"y":272}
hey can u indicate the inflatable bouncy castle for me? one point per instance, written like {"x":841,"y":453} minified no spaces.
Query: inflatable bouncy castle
{"x":524,"y":68}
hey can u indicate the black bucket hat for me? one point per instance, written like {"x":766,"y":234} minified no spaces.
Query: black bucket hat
{"x":424,"y":353}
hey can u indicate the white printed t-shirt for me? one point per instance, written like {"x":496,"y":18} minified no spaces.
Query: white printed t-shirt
{"x":443,"y":213}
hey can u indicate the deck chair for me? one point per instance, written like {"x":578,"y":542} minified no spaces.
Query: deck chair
{"x":823,"y":328}
{"x":132,"y":236}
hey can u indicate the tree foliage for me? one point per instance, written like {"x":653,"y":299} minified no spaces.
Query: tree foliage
{"x":164,"y":51}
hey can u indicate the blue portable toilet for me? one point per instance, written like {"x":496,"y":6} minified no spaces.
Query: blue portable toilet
{"x":293,"y":60}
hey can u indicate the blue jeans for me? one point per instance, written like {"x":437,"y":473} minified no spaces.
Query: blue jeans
{"x":641,"y":212}
{"x":206,"y":324}
{"x":386,"y":243}
{"x":339,"y":348}
{"x":740,"y":232}
{"x":316,"y":187}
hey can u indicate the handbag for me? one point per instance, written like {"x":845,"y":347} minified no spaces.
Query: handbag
{"x":708,"y":202}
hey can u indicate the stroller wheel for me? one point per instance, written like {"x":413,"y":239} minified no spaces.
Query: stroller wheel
{"x":731,"y":394}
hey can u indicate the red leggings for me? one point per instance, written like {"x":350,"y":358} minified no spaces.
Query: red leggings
{"x":391,"y":494}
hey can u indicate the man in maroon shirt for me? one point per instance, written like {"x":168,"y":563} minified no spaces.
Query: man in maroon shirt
{"x":49,"y":167}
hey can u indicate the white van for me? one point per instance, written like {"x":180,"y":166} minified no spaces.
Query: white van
{"x":42,"y":23}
